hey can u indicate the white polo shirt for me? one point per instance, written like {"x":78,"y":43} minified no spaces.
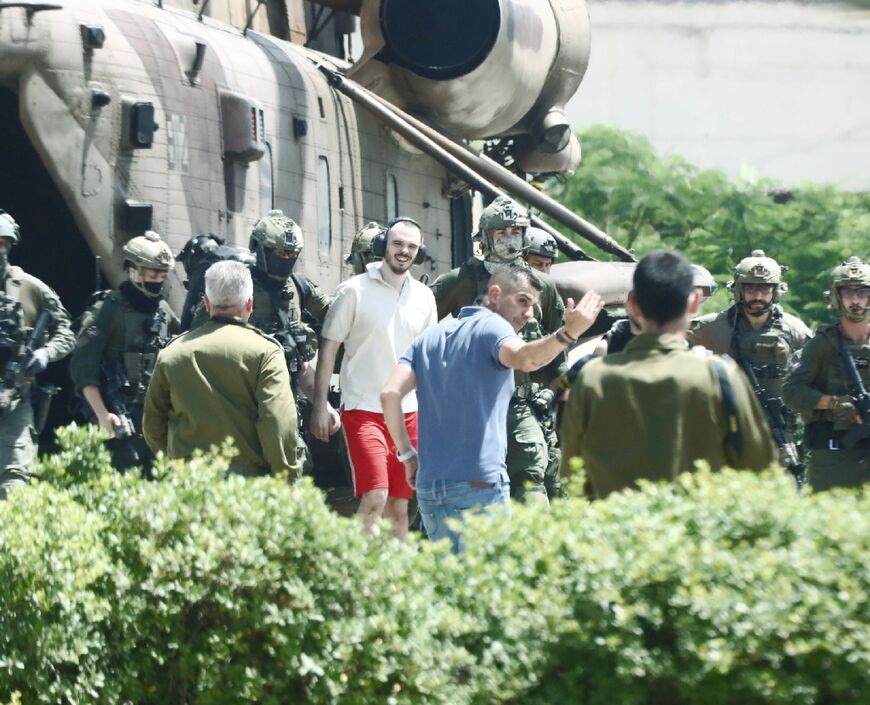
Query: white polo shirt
{"x":376,"y":322}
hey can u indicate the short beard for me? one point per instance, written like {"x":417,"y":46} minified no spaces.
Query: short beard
{"x":396,"y":268}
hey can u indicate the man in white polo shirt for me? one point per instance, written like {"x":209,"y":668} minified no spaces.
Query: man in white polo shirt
{"x":376,"y":315}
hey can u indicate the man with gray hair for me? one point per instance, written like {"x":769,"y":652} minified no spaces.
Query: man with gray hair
{"x":224,"y":379}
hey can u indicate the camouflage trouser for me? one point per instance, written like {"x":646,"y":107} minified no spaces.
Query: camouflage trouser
{"x":303,"y":454}
{"x":527,"y":454}
{"x":17,"y":445}
{"x":553,"y":476}
{"x":839,"y":468}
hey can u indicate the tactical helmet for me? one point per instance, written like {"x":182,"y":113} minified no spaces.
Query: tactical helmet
{"x":853,"y":272}
{"x":361,"y":248}
{"x":148,"y":251}
{"x":502,"y":213}
{"x":704,"y":280}
{"x":276,"y":230}
{"x":198,"y":250}
{"x":9,"y":228}
{"x":758,"y":269}
{"x":541,"y":243}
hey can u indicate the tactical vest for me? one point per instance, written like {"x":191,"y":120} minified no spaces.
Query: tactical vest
{"x":767,"y":350}
{"x":270,"y":301}
{"x":145,"y":334}
{"x":12,"y":342}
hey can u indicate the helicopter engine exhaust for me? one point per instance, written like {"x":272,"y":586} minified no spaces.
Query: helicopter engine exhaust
{"x":482,"y":69}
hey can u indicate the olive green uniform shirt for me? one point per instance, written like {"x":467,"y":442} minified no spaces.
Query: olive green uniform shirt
{"x":222,"y":380}
{"x":654,"y":409}
{"x":110,"y":329}
{"x":770,"y":349}
{"x":820,"y":371}
{"x":18,"y":445}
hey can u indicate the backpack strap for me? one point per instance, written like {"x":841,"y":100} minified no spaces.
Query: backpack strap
{"x":733,"y":436}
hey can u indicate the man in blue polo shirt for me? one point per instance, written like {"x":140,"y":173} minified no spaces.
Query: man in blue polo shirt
{"x":462,"y":370}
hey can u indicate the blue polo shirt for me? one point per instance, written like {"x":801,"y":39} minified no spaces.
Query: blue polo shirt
{"x":463,"y":393}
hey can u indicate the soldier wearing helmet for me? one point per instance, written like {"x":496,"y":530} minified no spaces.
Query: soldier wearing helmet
{"x":758,"y":331}
{"x":542,"y":250}
{"x":287,"y":305}
{"x":503,"y":234}
{"x":361,"y":253}
{"x":120,"y":336}
{"x":24,"y":302}
{"x":818,"y":387}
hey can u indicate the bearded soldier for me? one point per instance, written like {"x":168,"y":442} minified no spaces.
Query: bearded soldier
{"x":118,"y":342}
{"x":822,"y":389}
{"x":34,"y":330}
{"x":762,"y":338}
{"x":504,"y":240}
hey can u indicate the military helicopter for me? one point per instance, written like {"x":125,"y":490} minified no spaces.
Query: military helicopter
{"x":197,"y":116}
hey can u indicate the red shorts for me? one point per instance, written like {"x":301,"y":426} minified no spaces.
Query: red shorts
{"x":372,"y":452}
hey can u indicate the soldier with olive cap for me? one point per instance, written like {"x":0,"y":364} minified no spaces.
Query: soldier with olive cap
{"x":503,"y":231}
{"x":117,"y":346}
{"x":23,"y":301}
{"x":820,"y":389}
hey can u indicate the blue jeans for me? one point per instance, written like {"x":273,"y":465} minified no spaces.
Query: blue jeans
{"x":444,"y":499}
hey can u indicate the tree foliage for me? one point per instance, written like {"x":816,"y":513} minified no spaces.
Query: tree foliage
{"x":646,"y":201}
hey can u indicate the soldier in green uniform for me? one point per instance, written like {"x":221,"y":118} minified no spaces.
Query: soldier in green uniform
{"x":287,"y":306}
{"x":225,"y":379}
{"x":504,"y":240}
{"x":540,"y":256}
{"x":23,"y":301}
{"x":120,"y":336}
{"x":361,"y":248}
{"x":653,"y":410}
{"x":758,"y":332}
{"x":818,"y":386}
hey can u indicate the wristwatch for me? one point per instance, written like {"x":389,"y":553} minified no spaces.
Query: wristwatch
{"x":407,"y":455}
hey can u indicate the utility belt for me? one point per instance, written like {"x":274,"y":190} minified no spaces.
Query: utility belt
{"x":821,"y":435}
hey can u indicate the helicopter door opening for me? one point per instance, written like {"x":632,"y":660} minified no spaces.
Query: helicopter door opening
{"x":52,"y":247}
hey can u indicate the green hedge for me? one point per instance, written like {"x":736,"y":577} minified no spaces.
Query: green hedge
{"x":724,"y":588}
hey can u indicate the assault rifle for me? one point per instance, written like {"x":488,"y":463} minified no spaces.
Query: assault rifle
{"x":15,"y":376}
{"x":861,"y":431}
{"x":114,"y":389}
{"x":774,"y":410}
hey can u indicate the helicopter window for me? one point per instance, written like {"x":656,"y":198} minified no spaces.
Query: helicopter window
{"x":267,"y":195}
{"x":392,"y":197}
{"x":324,"y":209}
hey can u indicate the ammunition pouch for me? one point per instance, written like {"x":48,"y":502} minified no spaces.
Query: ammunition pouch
{"x":821,"y":435}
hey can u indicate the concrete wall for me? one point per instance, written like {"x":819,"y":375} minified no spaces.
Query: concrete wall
{"x":776,"y":90}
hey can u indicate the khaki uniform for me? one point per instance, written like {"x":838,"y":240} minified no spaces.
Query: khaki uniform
{"x":224,"y":379}
{"x":770,"y":350}
{"x":23,"y":298}
{"x":116,"y":350}
{"x":819,"y":371}
{"x":532,"y":458}
{"x":654,"y":409}
{"x":304,"y":310}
